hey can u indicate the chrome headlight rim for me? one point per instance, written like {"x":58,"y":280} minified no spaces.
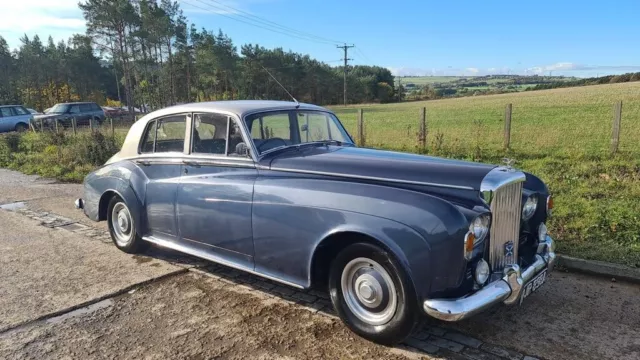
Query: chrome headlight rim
{"x":482,"y":272}
{"x":529,"y":208}
{"x":479,"y":226}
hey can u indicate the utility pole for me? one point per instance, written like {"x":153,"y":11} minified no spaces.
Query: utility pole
{"x":345,"y":47}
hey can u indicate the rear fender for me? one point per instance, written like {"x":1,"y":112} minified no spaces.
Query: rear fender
{"x":123,"y":179}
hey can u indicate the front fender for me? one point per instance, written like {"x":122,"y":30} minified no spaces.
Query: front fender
{"x":410,"y":249}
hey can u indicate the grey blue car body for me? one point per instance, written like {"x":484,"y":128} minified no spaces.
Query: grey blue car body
{"x":284,"y":213}
{"x":14,"y":118}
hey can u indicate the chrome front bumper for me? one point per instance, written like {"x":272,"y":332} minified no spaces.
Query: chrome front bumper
{"x":507,"y":290}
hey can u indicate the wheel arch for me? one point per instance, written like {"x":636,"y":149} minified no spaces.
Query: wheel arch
{"x":330,"y":246}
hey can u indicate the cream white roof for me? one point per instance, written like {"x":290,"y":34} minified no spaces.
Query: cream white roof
{"x":239,"y":108}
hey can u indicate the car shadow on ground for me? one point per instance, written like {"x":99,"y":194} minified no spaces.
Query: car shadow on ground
{"x":432,"y":337}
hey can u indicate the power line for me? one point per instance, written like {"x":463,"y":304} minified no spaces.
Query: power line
{"x":345,"y":47}
{"x":275,"y":30}
{"x":272,"y":23}
{"x":363,"y":55}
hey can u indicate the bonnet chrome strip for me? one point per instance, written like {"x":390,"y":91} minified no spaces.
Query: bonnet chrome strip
{"x":374,"y":178}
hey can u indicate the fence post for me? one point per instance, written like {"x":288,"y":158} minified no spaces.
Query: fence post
{"x":56,"y":120}
{"x":41,"y":125}
{"x":361,"y":138}
{"x":73,"y":125}
{"x":507,"y":126}
{"x":113,"y":133}
{"x":423,"y":129}
{"x":617,"y":118}
{"x":91,"y":124}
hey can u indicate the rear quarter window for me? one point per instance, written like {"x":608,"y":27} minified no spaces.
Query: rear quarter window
{"x":6,"y":112}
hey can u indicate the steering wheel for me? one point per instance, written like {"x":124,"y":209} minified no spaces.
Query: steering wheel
{"x":268,"y":140}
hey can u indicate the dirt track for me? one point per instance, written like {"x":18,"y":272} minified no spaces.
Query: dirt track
{"x":220,"y":313}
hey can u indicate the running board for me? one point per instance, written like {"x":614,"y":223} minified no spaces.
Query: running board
{"x":216,"y":259}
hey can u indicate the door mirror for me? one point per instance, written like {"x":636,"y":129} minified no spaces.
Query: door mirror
{"x":242,"y":149}
{"x":304,"y":127}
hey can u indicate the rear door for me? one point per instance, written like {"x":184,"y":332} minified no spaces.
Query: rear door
{"x":216,"y":192}
{"x":161,"y":152}
{"x":6,"y":119}
{"x":23,"y":116}
{"x":73,"y":111}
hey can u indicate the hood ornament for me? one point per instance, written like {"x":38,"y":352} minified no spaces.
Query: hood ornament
{"x":508,"y":163}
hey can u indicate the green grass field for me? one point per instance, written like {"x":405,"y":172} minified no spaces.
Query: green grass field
{"x":422,"y":80}
{"x":561,"y":135}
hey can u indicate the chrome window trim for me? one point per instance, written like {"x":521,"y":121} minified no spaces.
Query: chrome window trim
{"x":287,"y":109}
{"x":373,"y":178}
{"x":155,"y":120}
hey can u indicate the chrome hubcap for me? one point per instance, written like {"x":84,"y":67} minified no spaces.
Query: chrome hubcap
{"x":122,"y":222}
{"x":369,"y":291}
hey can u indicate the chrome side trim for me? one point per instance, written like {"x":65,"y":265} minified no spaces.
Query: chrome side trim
{"x":507,"y":290}
{"x":374,"y":178}
{"x":213,"y":258}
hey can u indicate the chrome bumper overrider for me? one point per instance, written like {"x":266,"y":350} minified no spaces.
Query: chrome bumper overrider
{"x":507,"y":290}
{"x":79,"y":204}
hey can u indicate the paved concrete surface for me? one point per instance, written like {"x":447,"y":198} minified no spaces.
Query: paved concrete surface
{"x":217,"y":312}
{"x":44,"y":270}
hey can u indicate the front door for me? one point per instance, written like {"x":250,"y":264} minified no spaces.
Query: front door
{"x":161,"y":151}
{"x":216,"y":191}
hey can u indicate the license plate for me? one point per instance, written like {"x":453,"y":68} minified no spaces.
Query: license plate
{"x":533,"y":285}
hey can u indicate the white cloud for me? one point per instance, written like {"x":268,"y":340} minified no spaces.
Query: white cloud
{"x":473,"y":70}
{"x":58,"y":18}
{"x":564,"y":68}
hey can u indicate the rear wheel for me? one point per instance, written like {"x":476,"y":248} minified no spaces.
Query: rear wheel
{"x":122,"y":227}
{"x":21,"y":127}
{"x":372,"y":294}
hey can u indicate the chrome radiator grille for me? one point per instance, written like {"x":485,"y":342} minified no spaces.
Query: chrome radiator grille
{"x":505,"y":225}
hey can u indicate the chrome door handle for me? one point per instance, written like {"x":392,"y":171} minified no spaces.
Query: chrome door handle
{"x":191,"y":163}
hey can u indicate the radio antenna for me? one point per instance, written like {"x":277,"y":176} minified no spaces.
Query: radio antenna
{"x":283,"y":88}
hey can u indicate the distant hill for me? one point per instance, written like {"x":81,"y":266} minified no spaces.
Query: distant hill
{"x":435,"y":87}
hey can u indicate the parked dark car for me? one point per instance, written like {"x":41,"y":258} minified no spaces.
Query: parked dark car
{"x":279,"y":189}
{"x":83,"y":112}
{"x":14,"y":118}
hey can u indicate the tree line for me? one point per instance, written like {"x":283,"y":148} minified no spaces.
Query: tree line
{"x":147,"y":54}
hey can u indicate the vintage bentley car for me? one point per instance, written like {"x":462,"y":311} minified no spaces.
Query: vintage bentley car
{"x":279,"y":189}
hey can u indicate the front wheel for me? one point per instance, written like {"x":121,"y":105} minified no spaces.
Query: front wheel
{"x":372,"y":294}
{"x":122,"y":227}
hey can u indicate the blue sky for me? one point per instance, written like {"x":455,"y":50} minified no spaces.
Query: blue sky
{"x":411,"y":37}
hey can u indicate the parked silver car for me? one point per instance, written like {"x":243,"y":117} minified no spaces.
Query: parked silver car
{"x":14,"y":118}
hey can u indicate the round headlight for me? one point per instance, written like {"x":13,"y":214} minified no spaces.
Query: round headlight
{"x":480,"y":227}
{"x":529,"y":207}
{"x":482,"y":272}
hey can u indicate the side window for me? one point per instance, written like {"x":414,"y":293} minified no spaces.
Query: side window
{"x":85,"y":108}
{"x":315,"y":127}
{"x":170,"y":133}
{"x":95,"y":107}
{"x":149,"y":138}
{"x":5,"y":112}
{"x":209,"y":134}
{"x":74,"y":109}
{"x":271,"y":126}
{"x":19,"y":110}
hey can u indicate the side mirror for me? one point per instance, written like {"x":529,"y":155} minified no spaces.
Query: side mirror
{"x":304,"y":127}
{"x":242,"y":149}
